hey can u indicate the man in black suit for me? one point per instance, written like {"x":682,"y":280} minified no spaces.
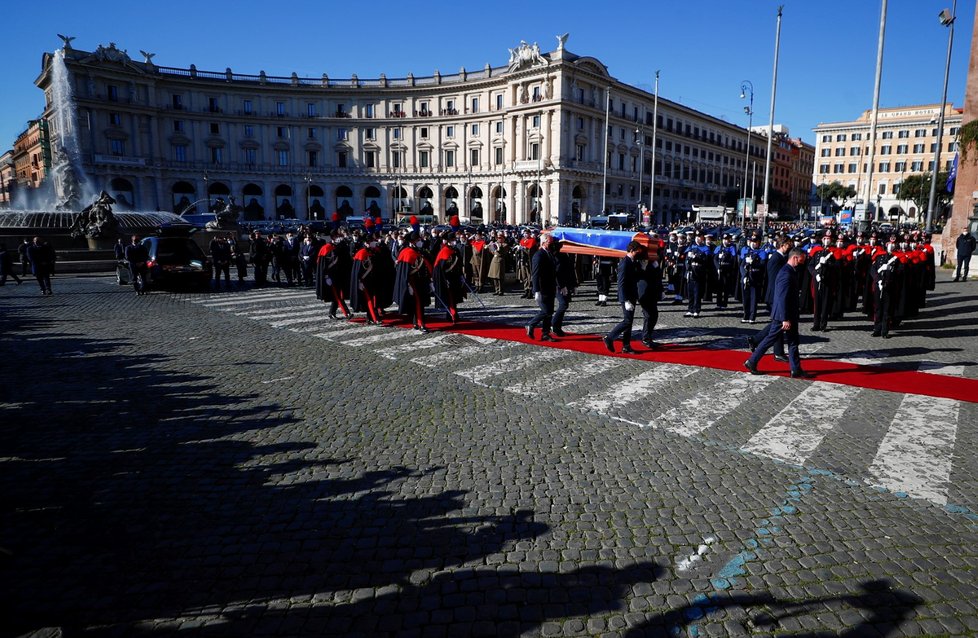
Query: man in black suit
{"x":785,"y":315}
{"x":136,"y":255}
{"x":627,"y":297}
{"x":42,"y":258}
{"x":649,"y":293}
{"x":566,"y":284}
{"x":544,"y":279}
{"x":775,"y":262}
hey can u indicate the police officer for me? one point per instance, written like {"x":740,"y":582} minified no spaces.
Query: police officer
{"x":725,"y":262}
{"x":137,"y":256}
{"x":753,"y":269}
{"x":698,"y":261}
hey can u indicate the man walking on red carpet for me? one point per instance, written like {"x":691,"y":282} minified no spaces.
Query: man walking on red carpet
{"x":785,"y":315}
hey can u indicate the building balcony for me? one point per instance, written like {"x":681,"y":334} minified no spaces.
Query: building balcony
{"x":120,"y":160}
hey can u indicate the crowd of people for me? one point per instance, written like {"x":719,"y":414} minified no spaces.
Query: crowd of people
{"x":370,"y":269}
{"x":37,"y":257}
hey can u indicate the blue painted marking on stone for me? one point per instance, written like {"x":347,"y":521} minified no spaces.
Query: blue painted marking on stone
{"x":720,"y":583}
{"x":789,"y":509}
{"x":901,"y":495}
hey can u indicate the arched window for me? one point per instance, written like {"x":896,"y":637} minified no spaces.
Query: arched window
{"x":183,"y":198}
{"x":372,"y":201}
{"x":254,"y":202}
{"x":284,"y":209}
{"x":121,"y":190}
{"x":342,"y":201}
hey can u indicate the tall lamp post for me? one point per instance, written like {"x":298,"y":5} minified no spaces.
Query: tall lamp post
{"x":641,"y":161}
{"x":947,"y":19}
{"x":207,"y":192}
{"x":655,"y":127}
{"x":770,"y":126}
{"x":747,"y":90}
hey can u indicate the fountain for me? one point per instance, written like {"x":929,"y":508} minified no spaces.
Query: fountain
{"x":55,"y":209}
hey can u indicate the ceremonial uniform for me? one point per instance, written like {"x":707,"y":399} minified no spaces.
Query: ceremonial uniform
{"x":886,"y":272}
{"x":603,"y":270}
{"x":448,"y":278}
{"x":412,"y":284}
{"x":333,"y":276}
{"x":725,"y":263}
{"x":524,"y":253}
{"x":698,"y":262}
{"x":823,"y":269}
{"x":480,"y":262}
{"x":753,"y":271}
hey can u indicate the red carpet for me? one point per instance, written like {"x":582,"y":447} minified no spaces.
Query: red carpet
{"x":826,"y":370}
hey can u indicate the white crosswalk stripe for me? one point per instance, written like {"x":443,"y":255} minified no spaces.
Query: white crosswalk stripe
{"x":456,"y":355}
{"x":700,"y":412}
{"x":257,"y":313}
{"x":947,"y":370}
{"x":427,"y":343}
{"x":480,"y":373}
{"x":794,"y":433}
{"x":565,"y":377}
{"x":388,"y":334}
{"x":916,"y":453}
{"x":311,"y":318}
{"x":610,"y":401}
{"x":278,"y":298}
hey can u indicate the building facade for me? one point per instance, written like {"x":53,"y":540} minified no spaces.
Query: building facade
{"x":31,"y":155}
{"x":906,"y":141}
{"x":8,"y":178}
{"x":546,"y":138}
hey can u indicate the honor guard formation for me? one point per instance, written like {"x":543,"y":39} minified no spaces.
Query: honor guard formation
{"x":391,"y":274}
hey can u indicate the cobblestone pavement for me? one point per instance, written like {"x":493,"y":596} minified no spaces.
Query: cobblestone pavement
{"x":235,"y":464}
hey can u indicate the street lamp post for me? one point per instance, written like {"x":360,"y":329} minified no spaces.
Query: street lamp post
{"x":747,"y":89}
{"x":641,"y":161}
{"x":770,"y":126}
{"x":655,"y":126}
{"x":207,"y":192}
{"x":947,"y":19}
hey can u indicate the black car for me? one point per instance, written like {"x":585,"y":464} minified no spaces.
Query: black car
{"x":174,"y":260}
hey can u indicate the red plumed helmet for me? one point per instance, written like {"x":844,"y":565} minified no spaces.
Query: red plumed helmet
{"x":336,"y":217}
{"x":413,"y":220}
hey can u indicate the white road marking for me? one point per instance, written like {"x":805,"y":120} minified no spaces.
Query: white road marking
{"x":655,"y":380}
{"x":479,"y":374}
{"x":933,"y":367}
{"x":454,"y":355}
{"x":395,"y":352}
{"x":564,"y":377}
{"x":794,"y":433}
{"x":702,"y":411}
{"x":251,"y":300}
{"x":277,"y":311}
{"x":279,"y":379}
{"x":916,"y":454}
{"x":302,"y":318}
{"x":389,"y":334}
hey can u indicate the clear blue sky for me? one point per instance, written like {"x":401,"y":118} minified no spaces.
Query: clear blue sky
{"x":703,"y":48}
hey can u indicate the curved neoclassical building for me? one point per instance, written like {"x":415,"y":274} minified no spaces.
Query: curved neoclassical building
{"x":546,"y":138}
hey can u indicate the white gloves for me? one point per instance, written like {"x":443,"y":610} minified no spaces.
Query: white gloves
{"x":879,"y":284}
{"x":537,"y":296}
{"x":818,"y":279}
{"x":431,"y":287}
{"x":884,"y":268}
{"x":629,"y":306}
{"x":329,"y":281}
{"x":745,"y":281}
{"x":749,"y":259}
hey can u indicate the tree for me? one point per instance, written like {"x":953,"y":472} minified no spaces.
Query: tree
{"x":916,"y":188}
{"x":835,"y":193}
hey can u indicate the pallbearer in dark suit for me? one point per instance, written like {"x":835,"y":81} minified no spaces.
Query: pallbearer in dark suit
{"x":785,"y":315}
{"x":627,"y":297}
{"x":544,"y":279}
{"x":649,"y":292}
{"x":566,"y":284}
